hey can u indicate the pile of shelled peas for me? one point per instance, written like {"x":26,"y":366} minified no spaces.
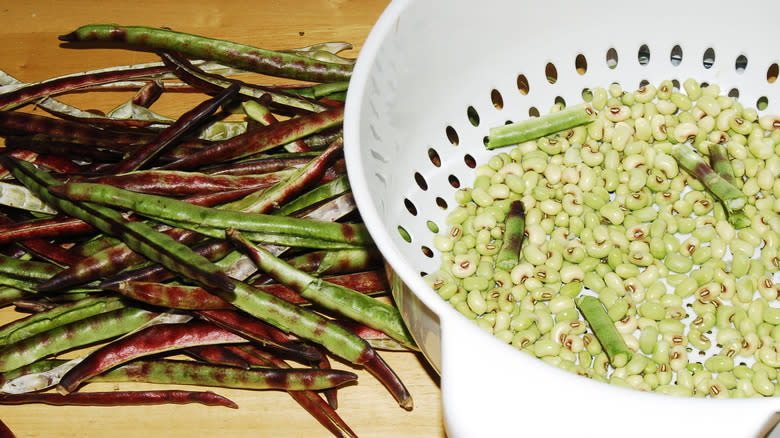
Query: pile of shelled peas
{"x":609,"y":212}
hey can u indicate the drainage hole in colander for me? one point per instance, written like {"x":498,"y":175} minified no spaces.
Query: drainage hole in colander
{"x":452,"y":135}
{"x":404,"y":234}
{"x":560,"y":101}
{"x":420,"y":180}
{"x":432,"y":226}
{"x":454,"y":181}
{"x":772,"y":72}
{"x":762,"y":103}
{"x":676,"y":55}
{"x":522,"y":83}
{"x":581,"y":64}
{"x":497,"y":99}
{"x":551,"y":73}
{"x":441,"y":203}
{"x":472,"y":115}
{"x":470,"y":161}
{"x":434,"y":157}
{"x":612,"y":58}
{"x":643,"y":55}
{"x":410,"y":207}
{"x":740,"y":64}
{"x":708,"y":60}
{"x":533,"y":112}
{"x":427,"y":252}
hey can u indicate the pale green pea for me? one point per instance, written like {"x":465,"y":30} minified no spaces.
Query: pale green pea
{"x":465,"y":310}
{"x":685,"y":225}
{"x":657,"y":181}
{"x":724,"y":316}
{"x":637,"y":179}
{"x":745,"y":289}
{"x":545,"y":347}
{"x":597,"y":250}
{"x":585,"y":358}
{"x":447,"y":291}
{"x":542,"y":294}
{"x":770,"y":371}
{"x":504,"y":336}
{"x":661,"y":352}
{"x":669,"y":325}
{"x":704,"y":274}
{"x":548,"y":225}
{"x":567,"y":315}
{"x":702,"y":255}
{"x":745,"y":389}
{"x":678,"y":263}
{"x":591,"y":158}
{"x":727,"y":379}
{"x":602,"y":269}
{"x":657,"y":248}
{"x":613,"y":213}
{"x":481,"y":197}
{"x":704,"y":322}
{"x":485,"y":269}
{"x":608,"y":297}
{"x":681,"y":101}
{"x":627,"y":270}
{"x":544,"y":320}
{"x":542,"y":193}
{"x":693,"y":89}
{"x":709,"y":104}
{"x":678,"y":360}
{"x":655,"y":291}
{"x":618,"y":310}
{"x":524,"y":319}
{"x":743,"y":372}
{"x":589,"y":263}
{"x":614,"y":258}
{"x":762,"y":384}
{"x":593,"y":200}
{"x":755,"y":313}
{"x":648,"y":338}
{"x":698,"y":339}
{"x":476,"y":302}
{"x":481,"y":182}
{"x":458,"y":215}
{"x":525,"y":338}
{"x":636,"y":365}
{"x":485,"y":324}
{"x":533,"y":255}
{"x":771,"y":315}
{"x":652,"y":310}
{"x":475,"y":283}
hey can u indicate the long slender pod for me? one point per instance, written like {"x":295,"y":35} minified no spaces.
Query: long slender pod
{"x":238,"y":55}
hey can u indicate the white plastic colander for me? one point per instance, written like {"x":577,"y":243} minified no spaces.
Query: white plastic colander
{"x":428,"y":71}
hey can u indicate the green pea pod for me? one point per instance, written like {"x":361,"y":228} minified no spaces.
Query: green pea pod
{"x":57,"y":316}
{"x":192,"y":373}
{"x":205,"y":217}
{"x":229,"y":53}
{"x":69,"y":336}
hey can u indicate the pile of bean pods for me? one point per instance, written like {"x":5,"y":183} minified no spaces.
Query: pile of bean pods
{"x":650,"y":242}
{"x":220,"y":247}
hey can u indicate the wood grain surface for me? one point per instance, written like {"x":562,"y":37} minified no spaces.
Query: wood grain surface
{"x":30,"y":51}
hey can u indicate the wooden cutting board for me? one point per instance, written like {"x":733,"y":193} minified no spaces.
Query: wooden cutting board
{"x":30,"y":51}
